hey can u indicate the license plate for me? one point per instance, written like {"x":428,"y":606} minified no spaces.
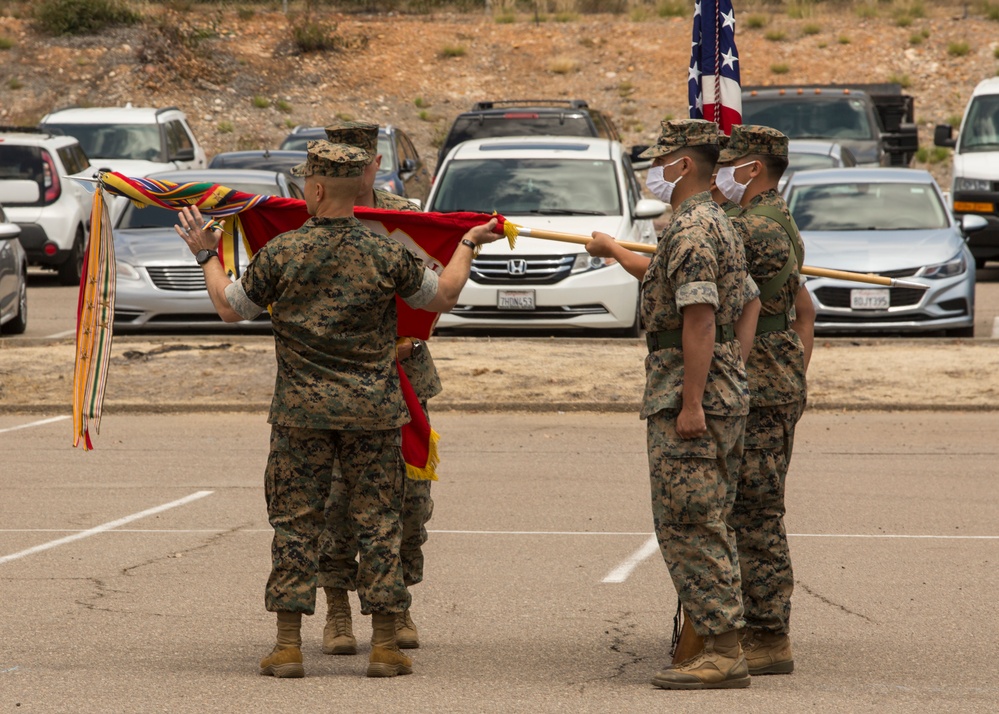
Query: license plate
{"x":515,"y":299}
{"x":870,"y":299}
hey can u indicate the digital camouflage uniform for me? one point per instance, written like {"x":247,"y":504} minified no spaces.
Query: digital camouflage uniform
{"x":338,"y":549}
{"x":331,"y":286}
{"x":699,"y":260}
{"x":777,"y":399}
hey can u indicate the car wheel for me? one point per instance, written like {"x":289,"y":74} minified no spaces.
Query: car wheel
{"x":71,"y":271}
{"x":962,"y":332}
{"x":19,"y":324}
{"x":980,"y":263}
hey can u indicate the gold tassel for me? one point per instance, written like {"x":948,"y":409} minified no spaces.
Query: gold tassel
{"x":428,"y":472}
{"x":511,"y":231}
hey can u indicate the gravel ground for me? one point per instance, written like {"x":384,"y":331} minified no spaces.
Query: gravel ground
{"x":237,"y":372}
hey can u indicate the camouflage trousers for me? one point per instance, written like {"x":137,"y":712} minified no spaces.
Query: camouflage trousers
{"x":370,"y":489}
{"x":693,"y":490}
{"x":758,"y":517}
{"x":338,"y":546}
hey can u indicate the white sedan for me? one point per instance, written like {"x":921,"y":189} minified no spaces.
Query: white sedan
{"x":567,"y":184}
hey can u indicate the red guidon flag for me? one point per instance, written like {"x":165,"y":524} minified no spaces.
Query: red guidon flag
{"x":250,"y":221}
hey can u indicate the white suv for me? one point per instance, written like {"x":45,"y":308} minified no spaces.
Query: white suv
{"x":38,"y":193}
{"x":135,"y":141}
{"x":567,"y":184}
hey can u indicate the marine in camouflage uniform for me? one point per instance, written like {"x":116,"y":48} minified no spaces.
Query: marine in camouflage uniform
{"x":331,"y":287}
{"x":777,"y":388}
{"x":337,"y":563}
{"x":696,"y":284}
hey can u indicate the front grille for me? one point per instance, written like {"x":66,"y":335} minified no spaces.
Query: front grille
{"x":904,"y":273}
{"x":840,"y":297}
{"x":187,"y":278}
{"x":860,"y":317}
{"x":558,"y":312}
{"x":539,"y":269}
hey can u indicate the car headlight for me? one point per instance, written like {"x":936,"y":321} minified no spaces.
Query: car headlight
{"x":971,"y":184}
{"x":126,"y":271}
{"x":585,"y":262}
{"x":944,"y":270}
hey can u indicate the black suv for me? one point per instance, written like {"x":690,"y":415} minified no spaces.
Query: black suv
{"x":530,"y":117}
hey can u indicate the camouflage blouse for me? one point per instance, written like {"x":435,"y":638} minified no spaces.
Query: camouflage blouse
{"x":420,"y":368}
{"x":777,"y":363}
{"x":331,"y":286}
{"x":699,"y":260}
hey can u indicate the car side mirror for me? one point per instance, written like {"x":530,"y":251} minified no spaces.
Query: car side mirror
{"x":636,"y":152}
{"x":408,"y":166}
{"x":943,"y":135}
{"x":649,"y":208}
{"x":184,"y":155}
{"x":971,"y":223}
{"x":20,"y":191}
{"x":9,"y":231}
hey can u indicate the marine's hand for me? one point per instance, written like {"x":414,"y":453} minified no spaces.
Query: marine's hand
{"x":485,"y":233}
{"x":690,"y":423}
{"x":602,"y":245}
{"x":190,"y":229}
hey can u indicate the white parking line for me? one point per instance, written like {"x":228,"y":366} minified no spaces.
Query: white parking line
{"x":105,"y":527}
{"x":34,"y":423}
{"x":60,"y":335}
{"x":624,"y":570}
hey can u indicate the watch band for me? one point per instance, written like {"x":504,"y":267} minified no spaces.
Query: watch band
{"x":203,"y":256}
{"x":470,"y":244}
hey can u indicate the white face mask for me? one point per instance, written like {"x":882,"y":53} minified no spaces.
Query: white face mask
{"x":726,"y":183}
{"x":658,"y":186}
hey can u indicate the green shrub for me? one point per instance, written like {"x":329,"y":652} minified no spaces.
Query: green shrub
{"x":245,"y":13}
{"x":992,"y":12}
{"x":775,"y":35}
{"x":82,"y":17}
{"x":780,"y":68}
{"x":261,"y":102}
{"x":915,"y":39}
{"x":420,"y":103}
{"x":755,"y":22}
{"x":283,"y":106}
{"x":14,"y":83}
{"x":811,"y":29}
{"x":225,"y":127}
{"x":566,"y":17}
{"x":6,"y":43}
{"x":901,"y":80}
{"x":995,"y":53}
{"x":312,"y":36}
{"x":449,"y":51}
{"x":673,"y":8}
{"x":903,"y":21}
{"x":843,"y":40}
{"x":958,"y":49}
{"x":865,"y":11}
{"x":506,"y":18}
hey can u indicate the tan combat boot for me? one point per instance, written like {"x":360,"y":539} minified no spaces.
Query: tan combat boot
{"x":386,"y":660}
{"x":406,"y":635}
{"x":285,"y":660}
{"x":767,"y":652}
{"x":338,"y":635}
{"x":719,"y":666}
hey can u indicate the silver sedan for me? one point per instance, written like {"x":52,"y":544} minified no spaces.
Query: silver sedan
{"x":892,"y":222}
{"x":159,"y":284}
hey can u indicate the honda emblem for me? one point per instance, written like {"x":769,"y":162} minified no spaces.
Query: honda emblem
{"x":517,"y":266}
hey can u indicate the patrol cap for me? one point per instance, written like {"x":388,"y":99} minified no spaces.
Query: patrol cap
{"x":749,"y":139}
{"x":678,"y":133}
{"x":362,"y":134}
{"x":334,"y":160}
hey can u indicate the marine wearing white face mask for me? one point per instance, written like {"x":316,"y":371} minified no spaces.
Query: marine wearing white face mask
{"x":659,"y":186}
{"x":730,"y":188}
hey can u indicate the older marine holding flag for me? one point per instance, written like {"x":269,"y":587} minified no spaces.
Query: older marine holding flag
{"x":331,"y":288}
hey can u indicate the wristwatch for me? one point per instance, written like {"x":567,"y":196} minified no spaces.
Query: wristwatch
{"x":204,"y":255}
{"x":417,"y":347}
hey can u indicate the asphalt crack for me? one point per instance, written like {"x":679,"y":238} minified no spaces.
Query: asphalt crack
{"x":831,"y":603}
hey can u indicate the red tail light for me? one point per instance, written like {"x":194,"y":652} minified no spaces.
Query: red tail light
{"x":520,"y":115}
{"x":53,"y":188}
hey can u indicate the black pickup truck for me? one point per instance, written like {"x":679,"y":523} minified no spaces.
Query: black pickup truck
{"x":874,"y":121}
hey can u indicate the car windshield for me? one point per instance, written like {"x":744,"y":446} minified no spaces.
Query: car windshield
{"x":301,"y":143}
{"x":524,"y":123}
{"x":519,"y":186}
{"x":136,"y":217}
{"x":980,"y":131}
{"x":811,"y":118}
{"x":806,"y":162}
{"x":867,"y":206}
{"x":115,"y":141}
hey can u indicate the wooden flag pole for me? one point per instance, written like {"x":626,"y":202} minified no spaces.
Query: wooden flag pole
{"x":645,"y":248}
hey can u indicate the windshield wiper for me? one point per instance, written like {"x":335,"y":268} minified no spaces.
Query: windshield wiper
{"x":566,"y":212}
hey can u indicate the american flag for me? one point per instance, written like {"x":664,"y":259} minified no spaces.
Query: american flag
{"x":713,"y":90}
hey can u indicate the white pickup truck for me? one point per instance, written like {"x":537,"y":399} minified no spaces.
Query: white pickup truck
{"x":975,"y":186}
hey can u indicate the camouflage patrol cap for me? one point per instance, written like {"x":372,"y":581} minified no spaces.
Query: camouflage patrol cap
{"x":362,"y":134}
{"x":334,"y":160}
{"x":722,"y":141}
{"x":678,"y":133}
{"x":751,"y":139}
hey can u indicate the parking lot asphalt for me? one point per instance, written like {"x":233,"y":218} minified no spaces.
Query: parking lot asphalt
{"x":132,"y":576}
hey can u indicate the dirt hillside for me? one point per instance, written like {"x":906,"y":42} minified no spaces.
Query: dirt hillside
{"x":243,"y":82}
